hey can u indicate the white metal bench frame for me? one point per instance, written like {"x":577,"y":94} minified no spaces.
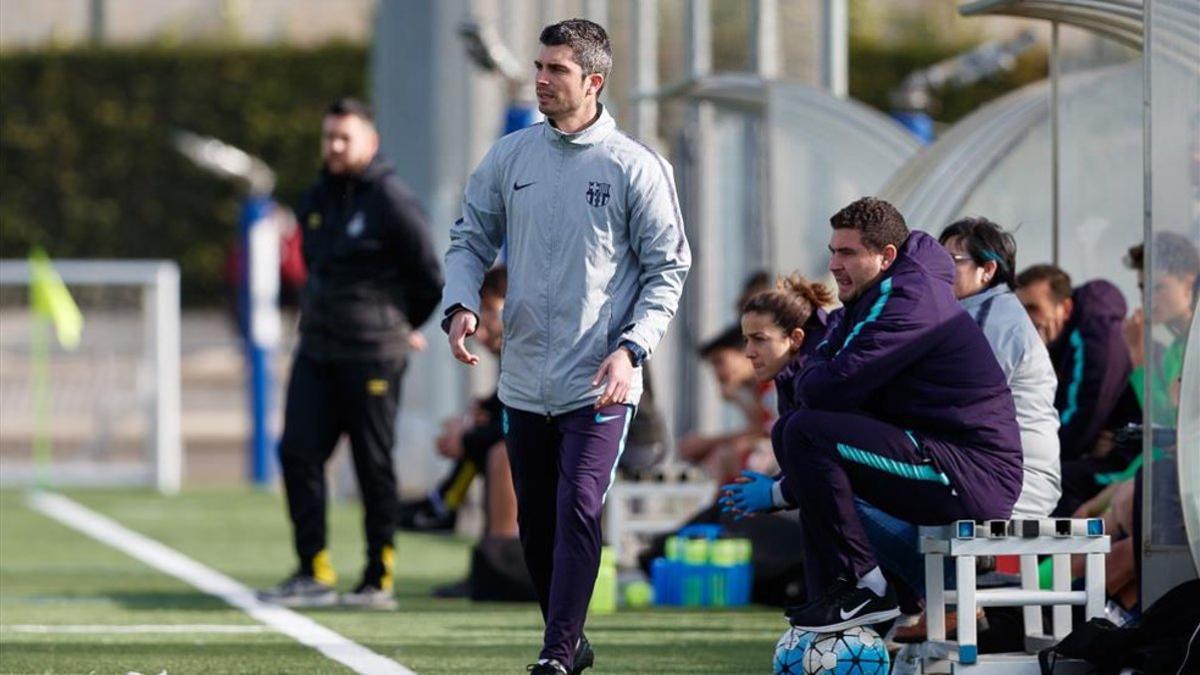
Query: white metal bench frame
{"x":953,"y":541}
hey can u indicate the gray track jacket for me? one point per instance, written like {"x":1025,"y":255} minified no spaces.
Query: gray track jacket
{"x":596,"y":256}
{"x":1026,"y":364}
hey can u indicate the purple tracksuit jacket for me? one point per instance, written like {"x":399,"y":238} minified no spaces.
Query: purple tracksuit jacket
{"x":1093,"y":366}
{"x":906,"y":353}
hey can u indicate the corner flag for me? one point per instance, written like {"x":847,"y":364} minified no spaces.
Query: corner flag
{"x":50,"y":299}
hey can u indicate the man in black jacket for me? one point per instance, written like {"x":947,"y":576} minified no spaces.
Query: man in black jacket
{"x":373,"y":279}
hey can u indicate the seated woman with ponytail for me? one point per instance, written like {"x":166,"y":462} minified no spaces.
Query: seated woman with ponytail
{"x":781,"y":327}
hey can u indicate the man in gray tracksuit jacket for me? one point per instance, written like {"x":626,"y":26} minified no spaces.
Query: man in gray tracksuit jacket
{"x":597,"y":258}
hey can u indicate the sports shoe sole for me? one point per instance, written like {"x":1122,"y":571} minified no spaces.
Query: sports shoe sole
{"x":324,"y":600}
{"x":863,"y":620}
{"x":381,"y":605}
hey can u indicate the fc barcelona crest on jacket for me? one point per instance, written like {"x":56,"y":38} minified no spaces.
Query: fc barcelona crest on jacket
{"x":598,"y":193}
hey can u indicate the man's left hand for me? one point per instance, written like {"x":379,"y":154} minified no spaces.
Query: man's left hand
{"x":616,"y":372}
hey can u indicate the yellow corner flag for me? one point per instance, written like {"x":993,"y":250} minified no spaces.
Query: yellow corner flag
{"x":50,"y":299}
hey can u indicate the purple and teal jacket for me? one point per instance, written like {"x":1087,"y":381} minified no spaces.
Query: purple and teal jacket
{"x":1093,"y":366}
{"x":905,"y":352}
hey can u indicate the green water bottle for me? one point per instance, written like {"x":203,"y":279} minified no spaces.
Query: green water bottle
{"x":721,"y":580}
{"x":695,"y":572}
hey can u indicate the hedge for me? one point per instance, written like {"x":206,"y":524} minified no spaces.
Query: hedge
{"x":86,"y":168}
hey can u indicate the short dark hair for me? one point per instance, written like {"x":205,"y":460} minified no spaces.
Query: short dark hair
{"x":878,"y":221}
{"x":730,"y":338}
{"x":588,"y":42}
{"x":986,"y":241}
{"x":351,"y":106}
{"x":1173,"y":253}
{"x":495,"y":282}
{"x":1059,"y":280}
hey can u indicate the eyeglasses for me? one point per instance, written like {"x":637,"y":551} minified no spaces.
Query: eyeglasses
{"x":958,"y":258}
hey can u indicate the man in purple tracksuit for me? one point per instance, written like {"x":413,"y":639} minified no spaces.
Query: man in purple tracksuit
{"x":597,"y":258}
{"x":1082,"y":331}
{"x":903,"y":404}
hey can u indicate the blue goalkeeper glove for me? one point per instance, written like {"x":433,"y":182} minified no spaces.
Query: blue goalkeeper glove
{"x":752,"y":495}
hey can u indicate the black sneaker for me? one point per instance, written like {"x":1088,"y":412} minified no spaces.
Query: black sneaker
{"x":584,"y":656}
{"x":368,"y":595}
{"x":845,"y":606}
{"x":547,"y":667}
{"x":299,"y":590}
{"x":423,"y":516}
{"x":840,"y":585}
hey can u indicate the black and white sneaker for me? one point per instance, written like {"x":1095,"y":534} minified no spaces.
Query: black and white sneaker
{"x":300,"y":590}
{"x":547,"y":667}
{"x":584,"y":656}
{"x":844,"y":606}
{"x":369,"y":595}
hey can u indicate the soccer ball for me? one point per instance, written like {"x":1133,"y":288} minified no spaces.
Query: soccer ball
{"x":789,"y":651}
{"x":854,"y":651}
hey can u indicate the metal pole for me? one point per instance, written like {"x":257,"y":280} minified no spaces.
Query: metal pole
{"x":1055,"y":142}
{"x":96,"y":21}
{"x":703,"y":193}
{"x":835,"y":47}
{"x":645,"y":68}
{"x":168,"y":446}
{"x":765,"y":59}
{"x":260,"y":321}
{"x":596,"y":10}
{"x":698,"y":38}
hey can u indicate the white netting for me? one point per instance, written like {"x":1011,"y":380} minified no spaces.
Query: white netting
{"x":111,"y":405}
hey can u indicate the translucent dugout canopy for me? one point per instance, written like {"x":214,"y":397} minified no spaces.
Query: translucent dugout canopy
{"x":1122,"y":168}
{"x":790,"y":155}
{"x":997,"y":163}
{"x":761,"y":166}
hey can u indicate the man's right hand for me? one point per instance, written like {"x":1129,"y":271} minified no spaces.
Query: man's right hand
{"x":463,"y":324}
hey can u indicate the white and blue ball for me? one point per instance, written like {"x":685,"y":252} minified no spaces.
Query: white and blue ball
{"x":789,"y":651}
{"x":854,"y":651}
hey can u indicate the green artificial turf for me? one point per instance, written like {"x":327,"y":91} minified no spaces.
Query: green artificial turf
{"x":52,"y":575}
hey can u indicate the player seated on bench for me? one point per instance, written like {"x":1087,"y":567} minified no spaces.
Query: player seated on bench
{"x":984,"y":263}
{"x":903,"y":404}
{"x":1082,"y":330}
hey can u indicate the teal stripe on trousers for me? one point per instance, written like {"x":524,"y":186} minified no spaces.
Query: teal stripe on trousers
{"x":892,"y":466}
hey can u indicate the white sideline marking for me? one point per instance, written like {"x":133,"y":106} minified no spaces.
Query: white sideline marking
{"x":102,"y":629}
{"x":300,"y":628}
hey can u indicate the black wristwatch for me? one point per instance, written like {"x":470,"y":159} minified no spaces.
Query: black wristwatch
{"x":637,"y":355}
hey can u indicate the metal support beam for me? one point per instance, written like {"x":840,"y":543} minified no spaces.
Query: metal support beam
{"x":644,"y":14}
{"x":835,"y":49}
{"x":764,"y":45}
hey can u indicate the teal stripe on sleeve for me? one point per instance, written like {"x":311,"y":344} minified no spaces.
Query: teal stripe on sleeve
{"x":1076,"y":341}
